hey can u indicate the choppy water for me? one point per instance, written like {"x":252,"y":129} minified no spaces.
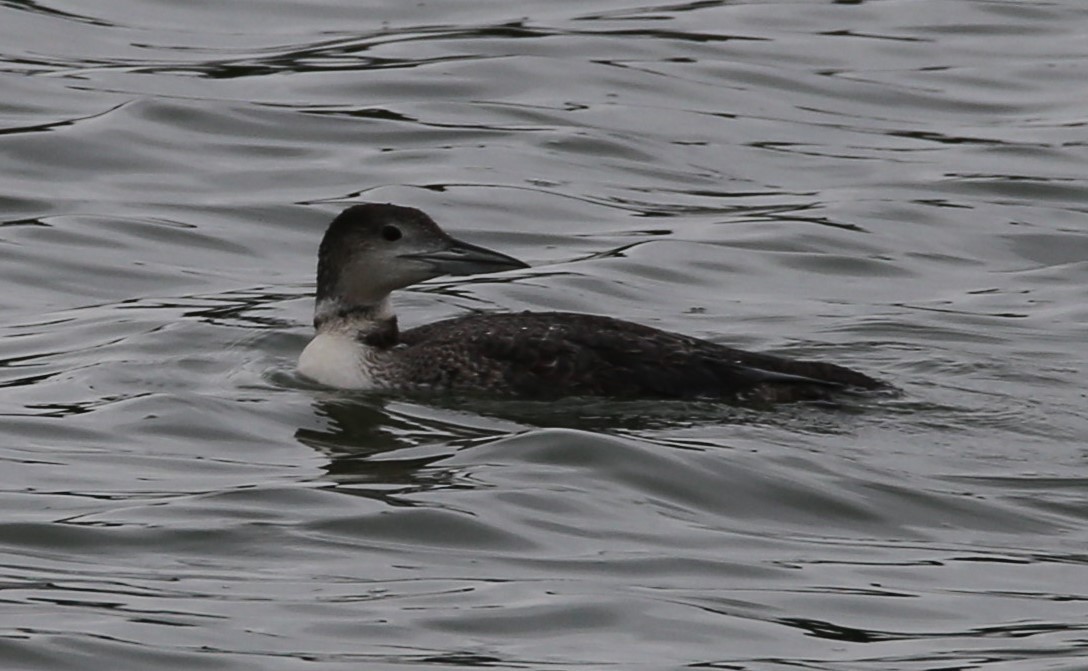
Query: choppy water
{"x":898,"y":186}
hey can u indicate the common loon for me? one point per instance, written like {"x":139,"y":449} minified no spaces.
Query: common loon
{"x":371,"y":249}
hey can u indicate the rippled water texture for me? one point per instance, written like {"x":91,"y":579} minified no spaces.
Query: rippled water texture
{"x":897,"y":186}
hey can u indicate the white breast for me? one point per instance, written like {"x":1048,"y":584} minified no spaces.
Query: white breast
{"x":337,"y":360}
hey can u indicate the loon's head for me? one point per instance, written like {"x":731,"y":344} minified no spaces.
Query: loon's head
{"x":369,"y":250}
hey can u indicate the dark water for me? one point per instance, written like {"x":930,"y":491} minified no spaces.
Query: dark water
{"x":898,"y":186}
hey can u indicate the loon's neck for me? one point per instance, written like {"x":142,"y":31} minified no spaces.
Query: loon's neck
{"x":372,"y":324}
{"x":352,"y":346}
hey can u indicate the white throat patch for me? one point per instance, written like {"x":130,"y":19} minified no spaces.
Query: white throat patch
{"x":337,"y":359}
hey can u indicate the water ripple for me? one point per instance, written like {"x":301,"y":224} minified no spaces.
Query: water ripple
{"x":897,"y":186}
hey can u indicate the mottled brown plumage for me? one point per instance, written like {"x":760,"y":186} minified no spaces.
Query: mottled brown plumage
{"x":551,"y":354}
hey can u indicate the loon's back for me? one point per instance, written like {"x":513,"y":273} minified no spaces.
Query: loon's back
{"x":551,"y":354}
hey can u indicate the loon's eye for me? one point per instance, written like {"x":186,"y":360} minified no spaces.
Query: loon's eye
{"x":391,"y":233}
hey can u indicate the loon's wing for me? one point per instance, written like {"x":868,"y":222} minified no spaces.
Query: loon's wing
{"x":557,"y":354}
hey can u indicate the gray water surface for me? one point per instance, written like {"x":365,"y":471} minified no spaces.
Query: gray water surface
{"x":898,"y":186}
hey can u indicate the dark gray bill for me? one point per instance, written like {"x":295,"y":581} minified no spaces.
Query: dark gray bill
{"x":461,"y":258}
